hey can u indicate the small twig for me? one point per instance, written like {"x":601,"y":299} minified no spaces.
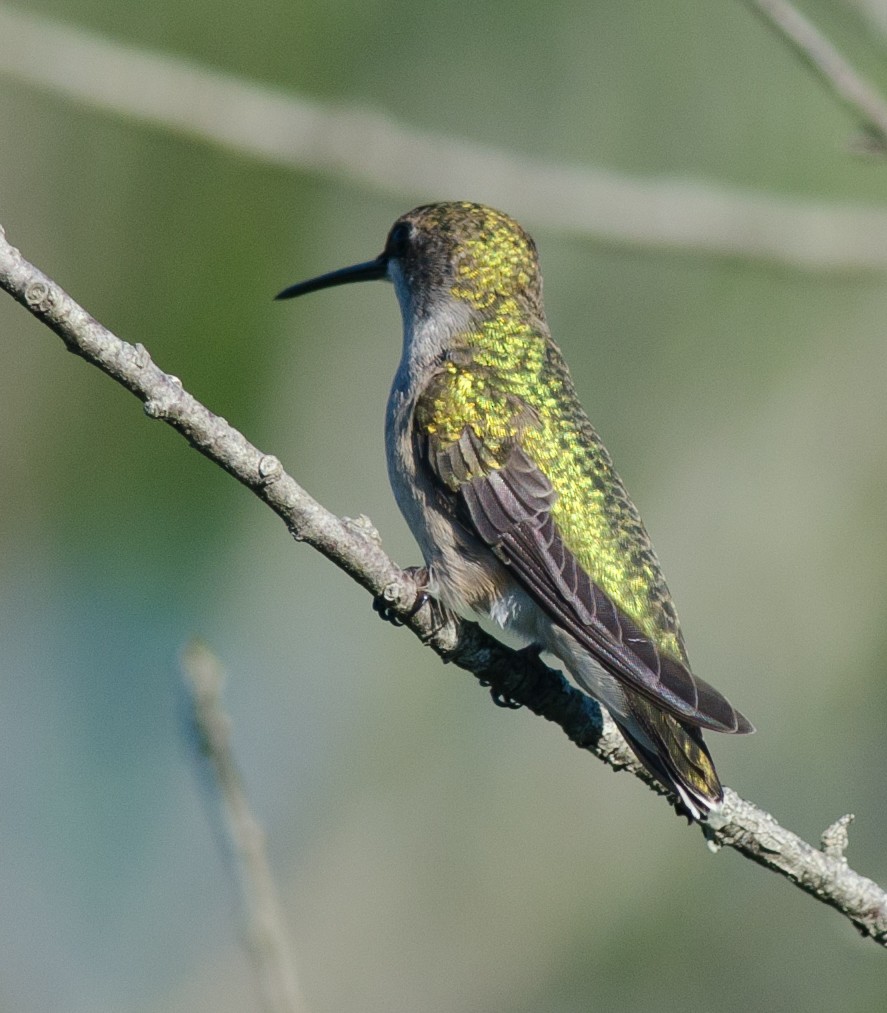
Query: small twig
{"x":857,"y":94}
{"x":512,"y":675}
{"x":266,"y":933}
{"x":836,"y":838}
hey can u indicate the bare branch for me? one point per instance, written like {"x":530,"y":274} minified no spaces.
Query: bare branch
{"x":517,"y":676}
{"x":267,"y":937}
{"x":839,"y":75}
{"x":355,"y":143}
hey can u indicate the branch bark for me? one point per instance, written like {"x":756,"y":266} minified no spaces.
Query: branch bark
{"x":513,"y":677}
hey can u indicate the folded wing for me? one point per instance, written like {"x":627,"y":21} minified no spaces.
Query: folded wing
{"x":507,"y":500}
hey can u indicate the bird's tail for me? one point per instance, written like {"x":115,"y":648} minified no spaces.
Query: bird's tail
{"x":675,"y":754}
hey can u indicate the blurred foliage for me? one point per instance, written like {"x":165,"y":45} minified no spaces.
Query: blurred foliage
{"x":433,"y":852}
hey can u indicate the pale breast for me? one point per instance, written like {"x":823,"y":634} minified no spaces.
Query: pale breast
{"x":465,"y":572}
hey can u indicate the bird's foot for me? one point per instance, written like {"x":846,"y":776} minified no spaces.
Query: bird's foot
{"x":528,"y":654}
{"x":504,"y":701}
{"x":385,"y":604}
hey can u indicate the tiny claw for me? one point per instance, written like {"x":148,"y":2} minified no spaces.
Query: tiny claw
{"x":682,"y":810}
{"x":385,"y":610}
{"x":501,"y":700}
{"x":422,"y":598}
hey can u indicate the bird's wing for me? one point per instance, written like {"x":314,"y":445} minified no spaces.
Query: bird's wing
{"x":502,"y":494}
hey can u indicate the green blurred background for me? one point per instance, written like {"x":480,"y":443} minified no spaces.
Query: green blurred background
{"x":433,"y":853}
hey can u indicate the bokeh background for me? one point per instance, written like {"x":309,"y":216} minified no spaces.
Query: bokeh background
{"x":433,"y":852}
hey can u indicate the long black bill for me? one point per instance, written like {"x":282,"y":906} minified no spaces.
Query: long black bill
{"x":372,"y":270}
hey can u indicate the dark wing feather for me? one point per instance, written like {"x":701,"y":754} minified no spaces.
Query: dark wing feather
{"x":508,"y":503}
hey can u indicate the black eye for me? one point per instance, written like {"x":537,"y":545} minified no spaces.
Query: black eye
{"x":399,"y":239}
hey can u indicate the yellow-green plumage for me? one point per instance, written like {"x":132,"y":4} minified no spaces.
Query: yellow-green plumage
{"x":597,"y":520}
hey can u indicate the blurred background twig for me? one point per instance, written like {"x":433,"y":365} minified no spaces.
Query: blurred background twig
{"x":266,"y":933}
{"x":857,"y":94}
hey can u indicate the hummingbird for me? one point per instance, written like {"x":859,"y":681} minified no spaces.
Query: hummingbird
{"x":512,"y":496}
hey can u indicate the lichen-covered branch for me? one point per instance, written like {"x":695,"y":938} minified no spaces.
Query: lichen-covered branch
{"x":517,"y":677}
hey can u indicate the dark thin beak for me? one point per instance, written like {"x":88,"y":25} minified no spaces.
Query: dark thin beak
{"x":372,"y":270}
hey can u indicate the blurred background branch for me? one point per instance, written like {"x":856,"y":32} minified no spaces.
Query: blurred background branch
{"x":267,"y":937}
{"x":365,"y":145}
{"x":858,"y":95}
